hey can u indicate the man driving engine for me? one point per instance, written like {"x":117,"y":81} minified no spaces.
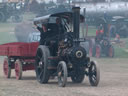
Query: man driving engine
{"x":50,"y":31}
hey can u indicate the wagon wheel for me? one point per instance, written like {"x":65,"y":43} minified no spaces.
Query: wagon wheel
{"x":18,"y":69}
{"x":41,"y":64}
{"x":111,"y":51}
{"x":17,"y":18}
{"x":94,"y":73}
{"x":98,"y":51}
{"x":7,"y":68}
{"x":62,"y":74}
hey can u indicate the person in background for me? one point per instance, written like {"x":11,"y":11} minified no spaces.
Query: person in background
{"x":99,"y":33}
{"x":117,"y":38}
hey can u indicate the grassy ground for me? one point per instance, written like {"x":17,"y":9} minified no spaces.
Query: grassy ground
{"x":7,"y":29}
{"x":91,"y":31}
{"x":122,"y":52}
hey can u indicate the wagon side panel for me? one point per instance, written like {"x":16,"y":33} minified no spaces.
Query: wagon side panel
{"x":19,"y":50}
{"x":4,"y":50}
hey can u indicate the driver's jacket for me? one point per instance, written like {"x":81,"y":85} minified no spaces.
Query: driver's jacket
{"x":99,"y":35}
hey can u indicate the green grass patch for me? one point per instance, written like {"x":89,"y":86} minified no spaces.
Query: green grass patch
{"x":7,"y":29}
{"x":28,"y":16}
{"x":91,"y":31}
{"x":6,"y":37}
{"x":120,"y":52}
{"x":7,"y":33}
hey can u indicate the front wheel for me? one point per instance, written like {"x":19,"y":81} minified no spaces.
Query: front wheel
{"x":2,"y":17}
{"x":94,"y":73}
{"x":62,"y":74}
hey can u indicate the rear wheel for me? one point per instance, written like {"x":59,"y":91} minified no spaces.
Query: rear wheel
{"x":98,"y":51}
{"x":41,"y":64}
{"x":62,"y":74}
{"x":111,"y":51}
{"x":18,"y":69}
{"x":17,"y":18}
{"x":7,"y":68}
{"x":94,"y":74}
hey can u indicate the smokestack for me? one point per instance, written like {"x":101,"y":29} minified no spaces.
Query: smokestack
{"x":76,"y":21}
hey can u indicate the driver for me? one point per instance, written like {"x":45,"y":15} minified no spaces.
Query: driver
{"x":60,"y":26}
{"x":43,"y":33}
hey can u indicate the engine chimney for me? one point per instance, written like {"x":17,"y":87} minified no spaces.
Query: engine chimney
{"x":76,"y":21}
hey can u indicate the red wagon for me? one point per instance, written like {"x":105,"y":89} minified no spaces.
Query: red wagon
{"x":20,"y":56}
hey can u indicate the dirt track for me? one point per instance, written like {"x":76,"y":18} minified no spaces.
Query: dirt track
{"x":114,"y":82}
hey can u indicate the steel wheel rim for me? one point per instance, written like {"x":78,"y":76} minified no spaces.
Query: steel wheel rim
{"x":39,"y":64}
{"x":93,"y":73}
{"x":17,"y":70}
{"x":60,"y":75}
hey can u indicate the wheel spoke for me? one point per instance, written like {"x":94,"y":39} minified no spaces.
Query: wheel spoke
{"x":41,"y":73}
{"x":94,"y":74}
{"x":38,"y":57}
{"x":94,"y":78}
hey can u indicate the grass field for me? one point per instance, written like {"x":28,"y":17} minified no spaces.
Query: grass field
{"x":7,"y":29}
{"x":7,"y":35}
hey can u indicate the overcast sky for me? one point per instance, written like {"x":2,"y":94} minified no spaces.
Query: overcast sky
{"x":49,"y":0}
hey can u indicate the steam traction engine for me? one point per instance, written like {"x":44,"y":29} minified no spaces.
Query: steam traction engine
{"x":102,"y":44}
{"x":62,"y":55}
